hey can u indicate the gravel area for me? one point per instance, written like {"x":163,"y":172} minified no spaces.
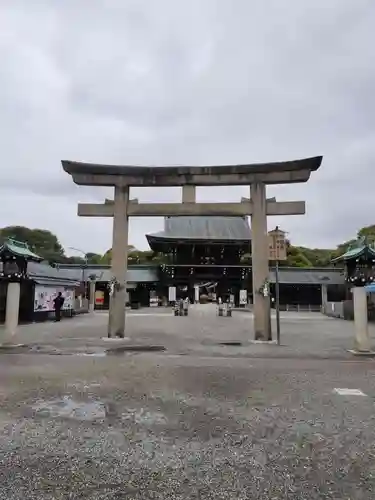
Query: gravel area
{"x":197,"y":421}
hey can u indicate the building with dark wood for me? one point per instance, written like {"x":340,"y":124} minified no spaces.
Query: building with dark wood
{"x":211,"y":253}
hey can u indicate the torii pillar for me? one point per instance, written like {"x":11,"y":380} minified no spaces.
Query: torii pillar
{"x":116,"y":324}
{"x":259,"y":258}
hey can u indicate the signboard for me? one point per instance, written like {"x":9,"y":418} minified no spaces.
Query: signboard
{"x":243,"y":297}
{"x":45,"y":295}
{"x":154,"y":301}
{"x":276,"y":245}
{"x":99,"y":298}
{"x":172,"y":294}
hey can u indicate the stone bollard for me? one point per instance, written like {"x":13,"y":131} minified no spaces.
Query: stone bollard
{"x":186,"y":306}
{"x":176,"y":309}
{"x":229,"y":310}
{"x":225,"y":310}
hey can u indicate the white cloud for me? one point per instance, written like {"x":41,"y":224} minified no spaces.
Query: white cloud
{"x":189,"y":83}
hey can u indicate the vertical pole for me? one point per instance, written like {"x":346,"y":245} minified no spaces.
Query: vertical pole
{"x":83,"y":282}
{"x":12,"y":310}
{"x":92,"y":296}
{"x":362,"y":340}
{"x":277,"y":289}
{"x":259,"y":244}
{"x":324,"y":298}
{"x":116,"y":325}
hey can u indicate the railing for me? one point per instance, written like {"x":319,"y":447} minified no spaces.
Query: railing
{"x":288,"y":307}
{"x":301,"y":307}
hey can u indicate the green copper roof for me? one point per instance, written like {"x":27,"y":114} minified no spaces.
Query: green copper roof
{"x":355,"y":253}
{"x":19,"y":249}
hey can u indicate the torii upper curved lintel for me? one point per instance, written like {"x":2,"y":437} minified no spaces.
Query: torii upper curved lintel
{"x":90,"y":174}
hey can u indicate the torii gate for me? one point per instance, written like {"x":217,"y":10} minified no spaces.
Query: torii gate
{"x":257,"y":176}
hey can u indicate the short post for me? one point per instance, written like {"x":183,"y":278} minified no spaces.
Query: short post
{"x":220,"y":308}
{"x":229,"y":309}
{"x":277,"y":252}
{"x":176,"y":308}
{"x":324,"y":294}
{"x":225,"y":309}
{"x":12,"y":309}
{"x":92,"y":296}
{"x":362,"y":340}
{"x":277,"y":293}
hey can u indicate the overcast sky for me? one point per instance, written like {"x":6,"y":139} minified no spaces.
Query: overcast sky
{"x":186,"y":82}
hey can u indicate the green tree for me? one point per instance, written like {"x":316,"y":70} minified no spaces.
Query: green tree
{"x":94,"y":258}
{"x":41,"y":241}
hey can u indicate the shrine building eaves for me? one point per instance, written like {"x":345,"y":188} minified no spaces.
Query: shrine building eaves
{"x":90,"y":174}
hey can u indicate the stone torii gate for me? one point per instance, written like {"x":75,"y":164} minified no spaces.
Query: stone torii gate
{"x":257,"y":176}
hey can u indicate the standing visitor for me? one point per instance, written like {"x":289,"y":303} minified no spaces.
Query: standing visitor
{"x":58,"y":303}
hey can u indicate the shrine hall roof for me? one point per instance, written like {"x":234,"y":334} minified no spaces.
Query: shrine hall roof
{"x":202,"y":228}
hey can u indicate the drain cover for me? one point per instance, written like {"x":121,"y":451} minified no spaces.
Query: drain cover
{"x":232,"y":343}
{"x":135,"y":348}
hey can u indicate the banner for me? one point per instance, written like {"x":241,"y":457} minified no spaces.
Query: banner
{"x":172,"y":294}
{"x":243,"y":297}
{"x":99,"y":298}
{"x":44,"y":296}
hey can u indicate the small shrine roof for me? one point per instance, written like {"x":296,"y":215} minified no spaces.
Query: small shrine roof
{"x":19,"y":249}
{"x":356,"y":252}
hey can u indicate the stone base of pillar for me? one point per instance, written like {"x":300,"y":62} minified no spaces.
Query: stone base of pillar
{"x":116,"y":323}
{"x":9,"y":346}
{"x":362,"y":339}
{"x":365,"y":354}
{"x":11,"y":314}
{"x":262,"y":319}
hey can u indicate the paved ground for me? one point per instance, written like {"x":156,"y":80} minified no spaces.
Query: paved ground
{"x":197,"y":421}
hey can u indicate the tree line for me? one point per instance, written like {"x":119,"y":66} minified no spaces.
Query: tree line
{"x":47,"y":245}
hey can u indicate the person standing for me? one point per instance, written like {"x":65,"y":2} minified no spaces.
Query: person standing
{"x":58,"y":303}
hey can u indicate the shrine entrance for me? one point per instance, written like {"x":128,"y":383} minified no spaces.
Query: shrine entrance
{"x":256,"y":176}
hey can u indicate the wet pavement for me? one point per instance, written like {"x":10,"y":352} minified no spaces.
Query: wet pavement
{"x":199,"y":420}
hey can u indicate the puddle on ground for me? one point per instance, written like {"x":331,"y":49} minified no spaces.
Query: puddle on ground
{"x":68,"y":408}
{"x":91,"y":354}
{"x":232,"y":343}
{"x":135,"y":348}
{"x":88,"y":411}
{"x":144,"y":416}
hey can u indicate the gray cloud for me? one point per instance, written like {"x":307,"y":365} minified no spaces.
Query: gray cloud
{"x":189,"y":83}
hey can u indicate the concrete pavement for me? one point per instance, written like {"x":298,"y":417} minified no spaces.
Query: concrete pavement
{"x":200,"y":420}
